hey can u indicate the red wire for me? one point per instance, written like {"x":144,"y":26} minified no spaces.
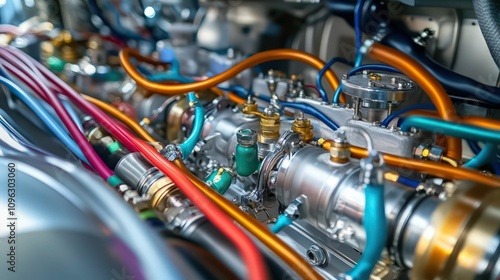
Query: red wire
{"x":315,"y":88}
{"x":52,"y":99}
{"x":248,"y":250}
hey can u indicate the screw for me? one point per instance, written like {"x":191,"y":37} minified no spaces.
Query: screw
{"x":316,"y":255}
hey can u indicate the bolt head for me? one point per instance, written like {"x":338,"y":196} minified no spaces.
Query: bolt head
{"x":316,"y":255}
{"x":246,"y":137}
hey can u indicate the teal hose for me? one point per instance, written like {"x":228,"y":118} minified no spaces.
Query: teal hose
{"x":375,"y":224}
{"x":199,"y":119}
{"x":282,"y":222}
{"x":452,"y":129}
{"x":488,"y":154}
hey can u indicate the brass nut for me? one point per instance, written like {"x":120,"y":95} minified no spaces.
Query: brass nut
{"x":340,"y":153}
{"x":304,"y":128}
{"x":161,"y":191}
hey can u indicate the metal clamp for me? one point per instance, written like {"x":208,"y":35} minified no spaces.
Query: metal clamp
{"x":372,"y":169}
{"x":287,"y":144}
{"x":171,"y":152}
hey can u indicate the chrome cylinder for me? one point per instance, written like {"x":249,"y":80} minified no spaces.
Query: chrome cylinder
{"x":334,"y":199}
{"x":136,"y":172}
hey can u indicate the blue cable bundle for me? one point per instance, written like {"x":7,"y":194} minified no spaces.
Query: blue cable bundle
{"x":306,"y":108}
{"x":46,"y":118}
{"x":322,"y":72}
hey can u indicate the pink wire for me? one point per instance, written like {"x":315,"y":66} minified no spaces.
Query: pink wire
{"x":21,"y":76}
{"x":104,"y":120}
{"x":12,"y":29}
{"x":52,"y":99}
{"x":313,"y":87}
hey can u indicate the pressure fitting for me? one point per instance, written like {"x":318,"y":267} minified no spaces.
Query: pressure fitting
{"x":171,"y":152}
{"x":135,"y":171}
{"x":269,"y":126}
{"x":302,"y":126}
{"x":339,"y":148}
{"x":372,"y":169}
{"x":246,"y":137}
{"x":250,"y":107}
{"x":433,"y":153}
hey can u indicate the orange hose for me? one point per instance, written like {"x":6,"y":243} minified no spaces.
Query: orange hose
{"x":432,"y":168}
{"x":303,"y":269}
{"x":117,"y":114}
{"x":231,"y":96}
{"x":482,"y":122}
{"x":427,"y":82}
{"x":279,"y":54}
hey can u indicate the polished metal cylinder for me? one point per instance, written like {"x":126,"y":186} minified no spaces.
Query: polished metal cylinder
{"x":136,"y":172}
{"x":334,"y":198}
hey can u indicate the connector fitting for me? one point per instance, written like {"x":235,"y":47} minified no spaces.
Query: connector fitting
{"x":339,"y":148}
{"x":246,"y":137}
{"x":372,"y":169}
{"x":171,"y":152}
{"x":302,"y":125}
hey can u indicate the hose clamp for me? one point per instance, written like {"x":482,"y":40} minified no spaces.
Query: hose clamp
{"x":372,"y":169}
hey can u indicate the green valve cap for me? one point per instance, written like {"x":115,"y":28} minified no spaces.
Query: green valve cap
{"x":220,"y":180}
{"x":247,"y":154}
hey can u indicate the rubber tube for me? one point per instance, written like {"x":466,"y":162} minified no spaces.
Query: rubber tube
{"x":488,"y":17}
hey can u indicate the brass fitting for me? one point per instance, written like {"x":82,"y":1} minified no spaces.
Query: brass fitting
{"x":250,"y":107}
{"x":302,"y":125}
{"x":269,"y":121}
{"x":162,"y":193}
{"x":374,"y":77}
{"x":339,"y":149}
{"x":269,"y":126}
{"x":433,"y":153}
{"x":340,"y":152}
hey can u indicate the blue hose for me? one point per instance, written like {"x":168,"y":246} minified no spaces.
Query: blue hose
{"x":398,"y":113}
{"x":375,"y":224}
{"x":282,"y":222}
{"x":359,"y":59}
{"x":169,"y":76}
{"x":358,"y":13}
{"x":496,"y":168}
{"x":306,"y":108}
{"x":199,"y":119}
{"x":12,"y":128}
{"x":408,"y":182}
{"x":378,"y":67}
{"x":72,"y":113}
{"x":46,"y":118}
{"x":322,"y":72}
{"x":486,"y":155}
{"x":336,"y":95}
{"x":474,"y":146}
{"x":452,"y":129}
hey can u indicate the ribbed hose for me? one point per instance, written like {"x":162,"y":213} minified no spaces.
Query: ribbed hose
{"x":488,"y":16}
